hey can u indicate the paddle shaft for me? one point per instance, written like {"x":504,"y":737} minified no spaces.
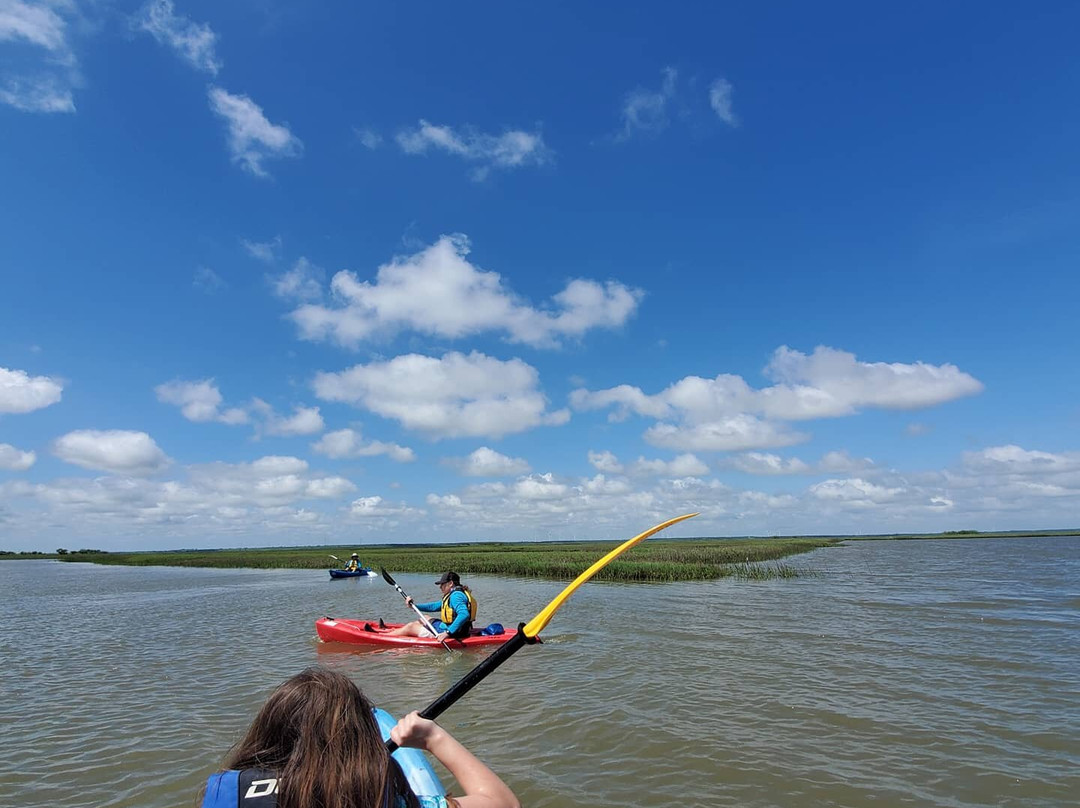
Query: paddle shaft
{"x":420,"y":614}
{"x":472,"y":678}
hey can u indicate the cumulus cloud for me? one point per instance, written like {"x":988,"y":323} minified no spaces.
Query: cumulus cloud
{"x":199,"y":401}
{"x":512,"y":149}
{"x":605,"y":461}
{"x":22,"y":393}
{"x":854,"y":490}
{"x":348,"y":443}
{"x":645,"y":111}
{"x":726,"y":413}
{"x":267,"y":251}
{"x":485,"y":462}
{"x":765,"y":463}
{"x":302,"y":282}
{"x":251,"y":137}
{"x":438,"y":291}
{"x":376,"y":507}
{"x":41,"y":78}
{"x":303,"y":421}
{"x":12,"y":459}
{"x":456,"y":395}
{"x":685,"y":465}
{"x":368,"y":137}
{"x":194,"y":42}
{"x":720,"y":100}
{"x":1012,"y":459}
{"x":114,"y":450}
{"x":208,"y":281}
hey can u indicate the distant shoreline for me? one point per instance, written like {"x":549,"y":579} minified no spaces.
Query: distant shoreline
{"x":655,"y":560}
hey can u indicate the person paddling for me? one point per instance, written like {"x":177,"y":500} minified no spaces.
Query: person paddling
{"x":316,"y":744}
{"x":353,"y":564}
{"x":457,"y":611}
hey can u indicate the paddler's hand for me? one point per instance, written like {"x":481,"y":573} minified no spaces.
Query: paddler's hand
{"x":412,"y":730}
{"x":408,"y":601}
{"x":442,"y":636}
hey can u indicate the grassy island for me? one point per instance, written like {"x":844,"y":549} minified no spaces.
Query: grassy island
{"x":654,"y":560}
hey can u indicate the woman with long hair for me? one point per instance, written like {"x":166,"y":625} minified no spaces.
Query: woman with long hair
{"x":316,"y":744}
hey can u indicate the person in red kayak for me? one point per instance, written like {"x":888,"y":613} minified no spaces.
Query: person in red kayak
{"x":457,"y":611}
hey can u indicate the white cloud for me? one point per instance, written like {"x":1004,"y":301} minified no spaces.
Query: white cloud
{"x":193,"y":41}
{"x":36,"y":83}
{"x":645,"y":111}
{"x":605,"y":461}
{"x":368,"y":137}
{"x":114,"y":450}
{"x":22,"y":393}
{"x":302,"y":282}
{"x":485,"y":462}
{"x":438,"y":291}
{"x":38,"y":95}
{"x":348,"y":443}
{"x":512,"y":149}
{"x":208,"y":281}
{"x":766,"y":463}
{"x":854,"y":490}
{"x":377,"y":507}
{"x":731,"y":434}
{"x":842,"y":462}
{"x":12,"y":459}
{"x":199,"y":401}
{"x":725,"y":413}
{"x":720,"y":100}
{"x":763,"y":463}
{"x":457,"y":395}
{"x":34,"y":23}
{"x":263,"y":250}
{"x":252,"y":138}
{"x":303,"y":421}
{"x":917,"y":429}
{"x":685,"y":465}
{"x":1012,"y":459}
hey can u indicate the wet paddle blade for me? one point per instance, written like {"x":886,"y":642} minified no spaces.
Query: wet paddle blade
{"x":536,"y":625}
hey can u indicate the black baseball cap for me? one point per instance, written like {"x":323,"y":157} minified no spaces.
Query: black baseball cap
{"x":449,"y":577}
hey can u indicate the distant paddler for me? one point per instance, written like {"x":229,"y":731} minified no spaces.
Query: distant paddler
{"x":353,"y":564}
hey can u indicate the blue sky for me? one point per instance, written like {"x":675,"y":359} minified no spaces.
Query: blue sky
{"x":324,"y":272}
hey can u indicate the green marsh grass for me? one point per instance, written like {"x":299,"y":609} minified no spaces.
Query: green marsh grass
{"x":654,"y":560}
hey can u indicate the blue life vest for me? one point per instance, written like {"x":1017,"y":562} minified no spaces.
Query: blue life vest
{"x":258,"y":788}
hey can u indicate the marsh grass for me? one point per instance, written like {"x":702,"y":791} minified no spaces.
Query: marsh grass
{"x":655,"y":560}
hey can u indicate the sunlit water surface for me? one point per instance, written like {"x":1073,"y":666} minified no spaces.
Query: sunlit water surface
{"x":941,"y":673}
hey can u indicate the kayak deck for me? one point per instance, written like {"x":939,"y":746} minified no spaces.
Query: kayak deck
{"x":354,"y":632}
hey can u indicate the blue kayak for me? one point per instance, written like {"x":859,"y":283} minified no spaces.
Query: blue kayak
{"x":363,"y":572}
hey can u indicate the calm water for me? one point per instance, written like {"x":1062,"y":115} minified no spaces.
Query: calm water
{"x":903,"y":673}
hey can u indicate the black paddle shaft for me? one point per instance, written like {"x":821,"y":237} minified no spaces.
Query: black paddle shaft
{"x":473,"y":678}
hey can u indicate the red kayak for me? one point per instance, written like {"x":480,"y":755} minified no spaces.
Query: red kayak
{"x":368,"y":632}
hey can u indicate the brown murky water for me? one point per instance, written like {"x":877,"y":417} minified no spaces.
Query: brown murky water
{"x":903,"y":673}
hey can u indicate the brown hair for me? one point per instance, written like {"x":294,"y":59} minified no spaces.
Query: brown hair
{"x":317,"y":731}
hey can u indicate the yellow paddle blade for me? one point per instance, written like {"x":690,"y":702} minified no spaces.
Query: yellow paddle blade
{"x":537,"y":624}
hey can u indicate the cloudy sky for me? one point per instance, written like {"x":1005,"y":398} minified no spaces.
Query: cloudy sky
{"x":290,"y":273}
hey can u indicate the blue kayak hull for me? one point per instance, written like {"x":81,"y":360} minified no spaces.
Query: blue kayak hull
{"x":360,"y":573}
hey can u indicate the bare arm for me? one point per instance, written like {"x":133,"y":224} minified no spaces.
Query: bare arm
{"x":483,"y":788}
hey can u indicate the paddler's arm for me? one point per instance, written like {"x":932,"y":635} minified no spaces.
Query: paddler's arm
{"x":482,"y":787}
{"x":432,"y":606}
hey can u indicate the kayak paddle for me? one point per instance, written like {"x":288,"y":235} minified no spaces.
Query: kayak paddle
{"x":527,"y":632}
{"x":420,"y":614}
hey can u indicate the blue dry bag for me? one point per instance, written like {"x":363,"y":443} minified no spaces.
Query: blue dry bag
{"x":493,"y":629}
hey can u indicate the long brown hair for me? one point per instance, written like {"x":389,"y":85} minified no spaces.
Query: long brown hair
{"x":317,"y":732}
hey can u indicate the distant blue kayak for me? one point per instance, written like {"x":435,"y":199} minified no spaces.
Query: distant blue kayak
{"x":363,"y":572}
